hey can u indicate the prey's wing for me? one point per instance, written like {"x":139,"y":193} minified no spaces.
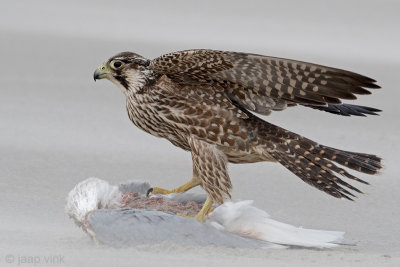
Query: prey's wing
{"x":133,"y":227}
{"x":261,"y":83}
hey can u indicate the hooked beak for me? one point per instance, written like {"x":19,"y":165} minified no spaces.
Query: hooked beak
{"x":101,"y":72}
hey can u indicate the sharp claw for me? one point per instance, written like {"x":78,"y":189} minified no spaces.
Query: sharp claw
{"x":149,"y":191}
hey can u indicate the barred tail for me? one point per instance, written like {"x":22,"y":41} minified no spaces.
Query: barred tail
{"x":315,"y":164}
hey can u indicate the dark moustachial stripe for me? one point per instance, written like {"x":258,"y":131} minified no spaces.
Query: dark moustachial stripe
{"x":123,"y":81}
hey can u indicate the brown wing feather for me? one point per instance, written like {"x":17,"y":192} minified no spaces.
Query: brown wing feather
{"x":261,"y":83}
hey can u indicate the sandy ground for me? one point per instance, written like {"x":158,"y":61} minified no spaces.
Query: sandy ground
{"x":58,"y":127}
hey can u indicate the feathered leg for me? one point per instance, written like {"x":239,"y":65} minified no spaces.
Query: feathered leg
{"x":210,"y":165}
{"x":209,"y":171}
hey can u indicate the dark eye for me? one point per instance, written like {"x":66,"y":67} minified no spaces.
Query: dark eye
{"x":117,"y":64}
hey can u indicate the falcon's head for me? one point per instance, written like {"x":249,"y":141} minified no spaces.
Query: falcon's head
{"x":129,"y":71}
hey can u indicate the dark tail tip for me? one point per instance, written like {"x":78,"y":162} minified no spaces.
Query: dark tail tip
{"x":347,"y":109}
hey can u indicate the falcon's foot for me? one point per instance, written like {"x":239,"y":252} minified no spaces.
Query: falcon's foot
{"x":183,"y":188}
{"x":204,"y":210}
{"x":202,"y":213}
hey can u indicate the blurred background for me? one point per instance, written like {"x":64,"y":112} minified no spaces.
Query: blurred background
{"x":58,"y":127}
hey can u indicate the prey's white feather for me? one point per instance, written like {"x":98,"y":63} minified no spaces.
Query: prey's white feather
{"x":91,"y":194}
{"x":244,"y":219}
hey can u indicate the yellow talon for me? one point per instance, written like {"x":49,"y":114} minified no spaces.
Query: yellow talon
{"x":204,"y":210}
{"x":161,"y":191}
{"x":202,"y":213}
{"x":189,"y":185}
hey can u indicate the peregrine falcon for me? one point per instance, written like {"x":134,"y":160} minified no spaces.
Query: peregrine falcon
{"x":204,"y":101}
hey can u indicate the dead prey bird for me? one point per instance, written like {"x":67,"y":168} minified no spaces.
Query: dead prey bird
{"x":201,"y":101}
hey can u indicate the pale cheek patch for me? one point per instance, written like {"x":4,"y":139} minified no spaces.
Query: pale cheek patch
{"x":135,"y":79}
